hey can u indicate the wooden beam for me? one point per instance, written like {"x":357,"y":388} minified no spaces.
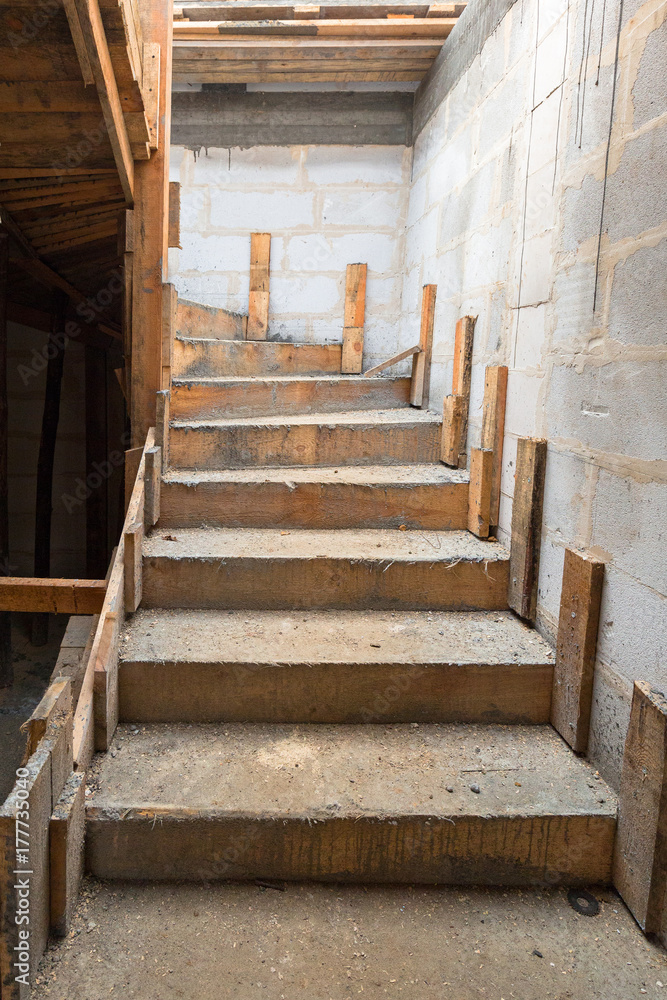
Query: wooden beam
{"x":493,"y":429}
{"x":531,"y":460}
{"x":353,"y":324}
{"x":47,"y":450}
{"x":79,"y":41}
{"x":162,"y":412}
{"x":55,"y":596}
{"x":169,"y":322}
{"x":66,"y":843}
{"x":392,"y":361}
{"x":258,"y":300}
{"x":95,"y":39}
{"x":421,"y":363}
{"x":462,"y":376}
{"x":452,"y":421}
{"x":432,"y":29}
{"x":6,"y":662}
{"x":572,"y":696}
{"x":175,"y":214}
{"x":151,"y":91}
{"x":151,"y":193}
{"x":479,"y":496}
{"x":640,"y":857}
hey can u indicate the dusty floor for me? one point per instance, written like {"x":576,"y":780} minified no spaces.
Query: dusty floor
{"x":331,"y":942}
{"x":32,"y":671}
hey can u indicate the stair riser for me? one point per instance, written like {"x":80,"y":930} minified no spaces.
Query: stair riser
{"x":303,"y":444}
{"x":463,"y":850}
{"x":334,"y":693}
{"x":275,"y":583}
{"x":244,"y":359}
{"x":314,"y":505}
{"x":262,"y":399}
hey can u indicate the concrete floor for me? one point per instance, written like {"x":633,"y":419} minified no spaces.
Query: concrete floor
{"x":332,"y":942}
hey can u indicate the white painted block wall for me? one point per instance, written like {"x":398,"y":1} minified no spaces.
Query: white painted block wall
{"x":325,"y":206}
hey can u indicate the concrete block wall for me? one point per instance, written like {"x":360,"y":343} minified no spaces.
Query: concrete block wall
{"x":325,"y":206}
{"x":505,"y":212}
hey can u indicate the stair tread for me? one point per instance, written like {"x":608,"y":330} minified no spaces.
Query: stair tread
{"x":370,"y":544}
{"x":222,"y":380}
{"x":363,"y":418}
{"x":411,"y":475}
{"x":359,"y":637}
{"x":383,"y":771}
{"x":260,"y":343}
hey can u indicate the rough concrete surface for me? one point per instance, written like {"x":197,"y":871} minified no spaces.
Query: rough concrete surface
{"x":408,"y":474}
{"x":332,"y":942}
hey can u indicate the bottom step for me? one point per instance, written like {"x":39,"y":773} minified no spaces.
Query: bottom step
{"x":493,"y":805}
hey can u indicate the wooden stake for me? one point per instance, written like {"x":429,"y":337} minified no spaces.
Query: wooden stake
{"x":258,"y":302}
{"x":421,"y":363}
{"x":479,"y":496}
{"x":572,"y":696}
{"x":162,"y":411}
{"x":169,"y":309}
{"x":353,"y":325}
{"x":452,"y":419}
{"x":493,"y":430}
{"x":640,"y":858}
{"x":462,"y":376}
{"x":531,"y":460}
{"x":6,"y":664}
{"x":47,"y":449}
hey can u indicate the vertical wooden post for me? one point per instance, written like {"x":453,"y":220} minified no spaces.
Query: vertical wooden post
{"x":97,"y":503}
{"x":640,"y":857}
{"x":572,"y":695}
{"x":531,"y":460}
{"x":455,"y":432}
{"x":47,"y":449}
{"x":6,"y":665}
{"x":421,"y":363}
{"x":493,"y":430}
{"x":162,"y":416}
{"x":169,"y":306}
{"x":175,"y":214}
{"x":258,"y":300}
{"x":479,"y":493}
{"x":353,"y":323}
{"x":151,"y":217}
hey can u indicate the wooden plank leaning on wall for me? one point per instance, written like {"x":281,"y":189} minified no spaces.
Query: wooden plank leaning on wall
{"x":455,"y":410}
{"x":151,"y":226}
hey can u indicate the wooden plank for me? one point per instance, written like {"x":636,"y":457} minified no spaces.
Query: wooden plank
{"x":479,"y":498}
{"x":153,"y":480}
{"x":452,"y":420}
{"x":134,"y":537}
{"x":66,"y":843}
{"x":169,"y":320}
{"x":196,"y":320}
{"x":151,"y":91}
{"x":421,"y":363}
{"x":353,"y":323}
{"x":430,"y":28}
{"x":258,"y":49}
{"x":55,"y":596}
{"x":640,"y":858}
{"x":105,"y":680}
{"x":258,"y":299}
{"x":462,"y":376}
{"x":6,"y":660}
{"x":73,"y":655}
{"x":392,"y":361}
{"x":493,"y":429}
{"x":531,"y":460}
{"x":79,"y":41}
{"x":132,"y":460}
{"x":92,"y":28}
{"x":277,"y":73}
{"x":162,"y":426}
{"x":175,"y":214}
{"x":580,"y":599}
{"x":56,"y":702}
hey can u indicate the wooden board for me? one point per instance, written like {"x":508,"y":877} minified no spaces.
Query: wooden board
{"x":531,"y":463}
{"x":452,"y":420}
{"x":63,"y":597}
{"x":353,"y":323}
{"x":390,"y":362}
{"x":462,"y":376}
{"x":174,"y":214}
{"x":213,"y":357}
{"x":429,"y":28}
{"x":421,"y":363}
{"x":493,"y":429}
{"x":580,"y":599}
{"x":258,"y":299}
{"x":640,"y":860}
{"x":479,"y":505}
{"x":66,"y":844}
{"x":196,"y":320}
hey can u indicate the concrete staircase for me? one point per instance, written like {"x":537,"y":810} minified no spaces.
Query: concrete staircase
{"x":324,"y":680}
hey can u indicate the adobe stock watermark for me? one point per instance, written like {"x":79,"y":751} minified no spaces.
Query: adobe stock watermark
{"x":22,"y":872}
{"x":89,"y":311}
{"x":100,"y":472}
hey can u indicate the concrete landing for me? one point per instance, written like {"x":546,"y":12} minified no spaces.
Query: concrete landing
{"x":429,"y":803}
{"x":271,"y":569}
{"x":333,"y":666}
{"x":375,"y":496}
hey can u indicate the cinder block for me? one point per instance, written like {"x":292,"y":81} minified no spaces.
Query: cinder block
{"x":314,"y":252}
{"x":261,"y":211}
{"x":530,"y":336}
{"x":637,"y":187}
{"x":540,"y":201}
{"x":522,"y":404}
{"x":637,"y":306}
{"x":316,"y":295}
{"x":649,"y":93}
{"x":536,"y":270}
{"x":355,"y":209}
{"x":260,"y":165}
{"x":356,"y":164}
{"x":550,"y":60}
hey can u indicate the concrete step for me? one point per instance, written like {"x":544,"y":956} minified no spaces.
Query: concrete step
{"x":270,"y":569}
{"x":377,"y":496}
{"x":284,"y":394}
{"x":374,"y":437}
{"x":199,"y":357}
{"x":364,"y":803}
{"x":333,"y":666}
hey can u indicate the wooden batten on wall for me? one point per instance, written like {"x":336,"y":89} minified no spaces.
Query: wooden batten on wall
{"x":258,"y":298}
{"x":456,"y":406}
{"x":353,"y":324}
{"x":421,"y":362}
{"x":493,"y":430}
{"x":531,"y":460}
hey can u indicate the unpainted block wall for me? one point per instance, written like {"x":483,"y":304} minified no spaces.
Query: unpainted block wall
{"x":325,"y":206}
{"x":504,"y":215}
